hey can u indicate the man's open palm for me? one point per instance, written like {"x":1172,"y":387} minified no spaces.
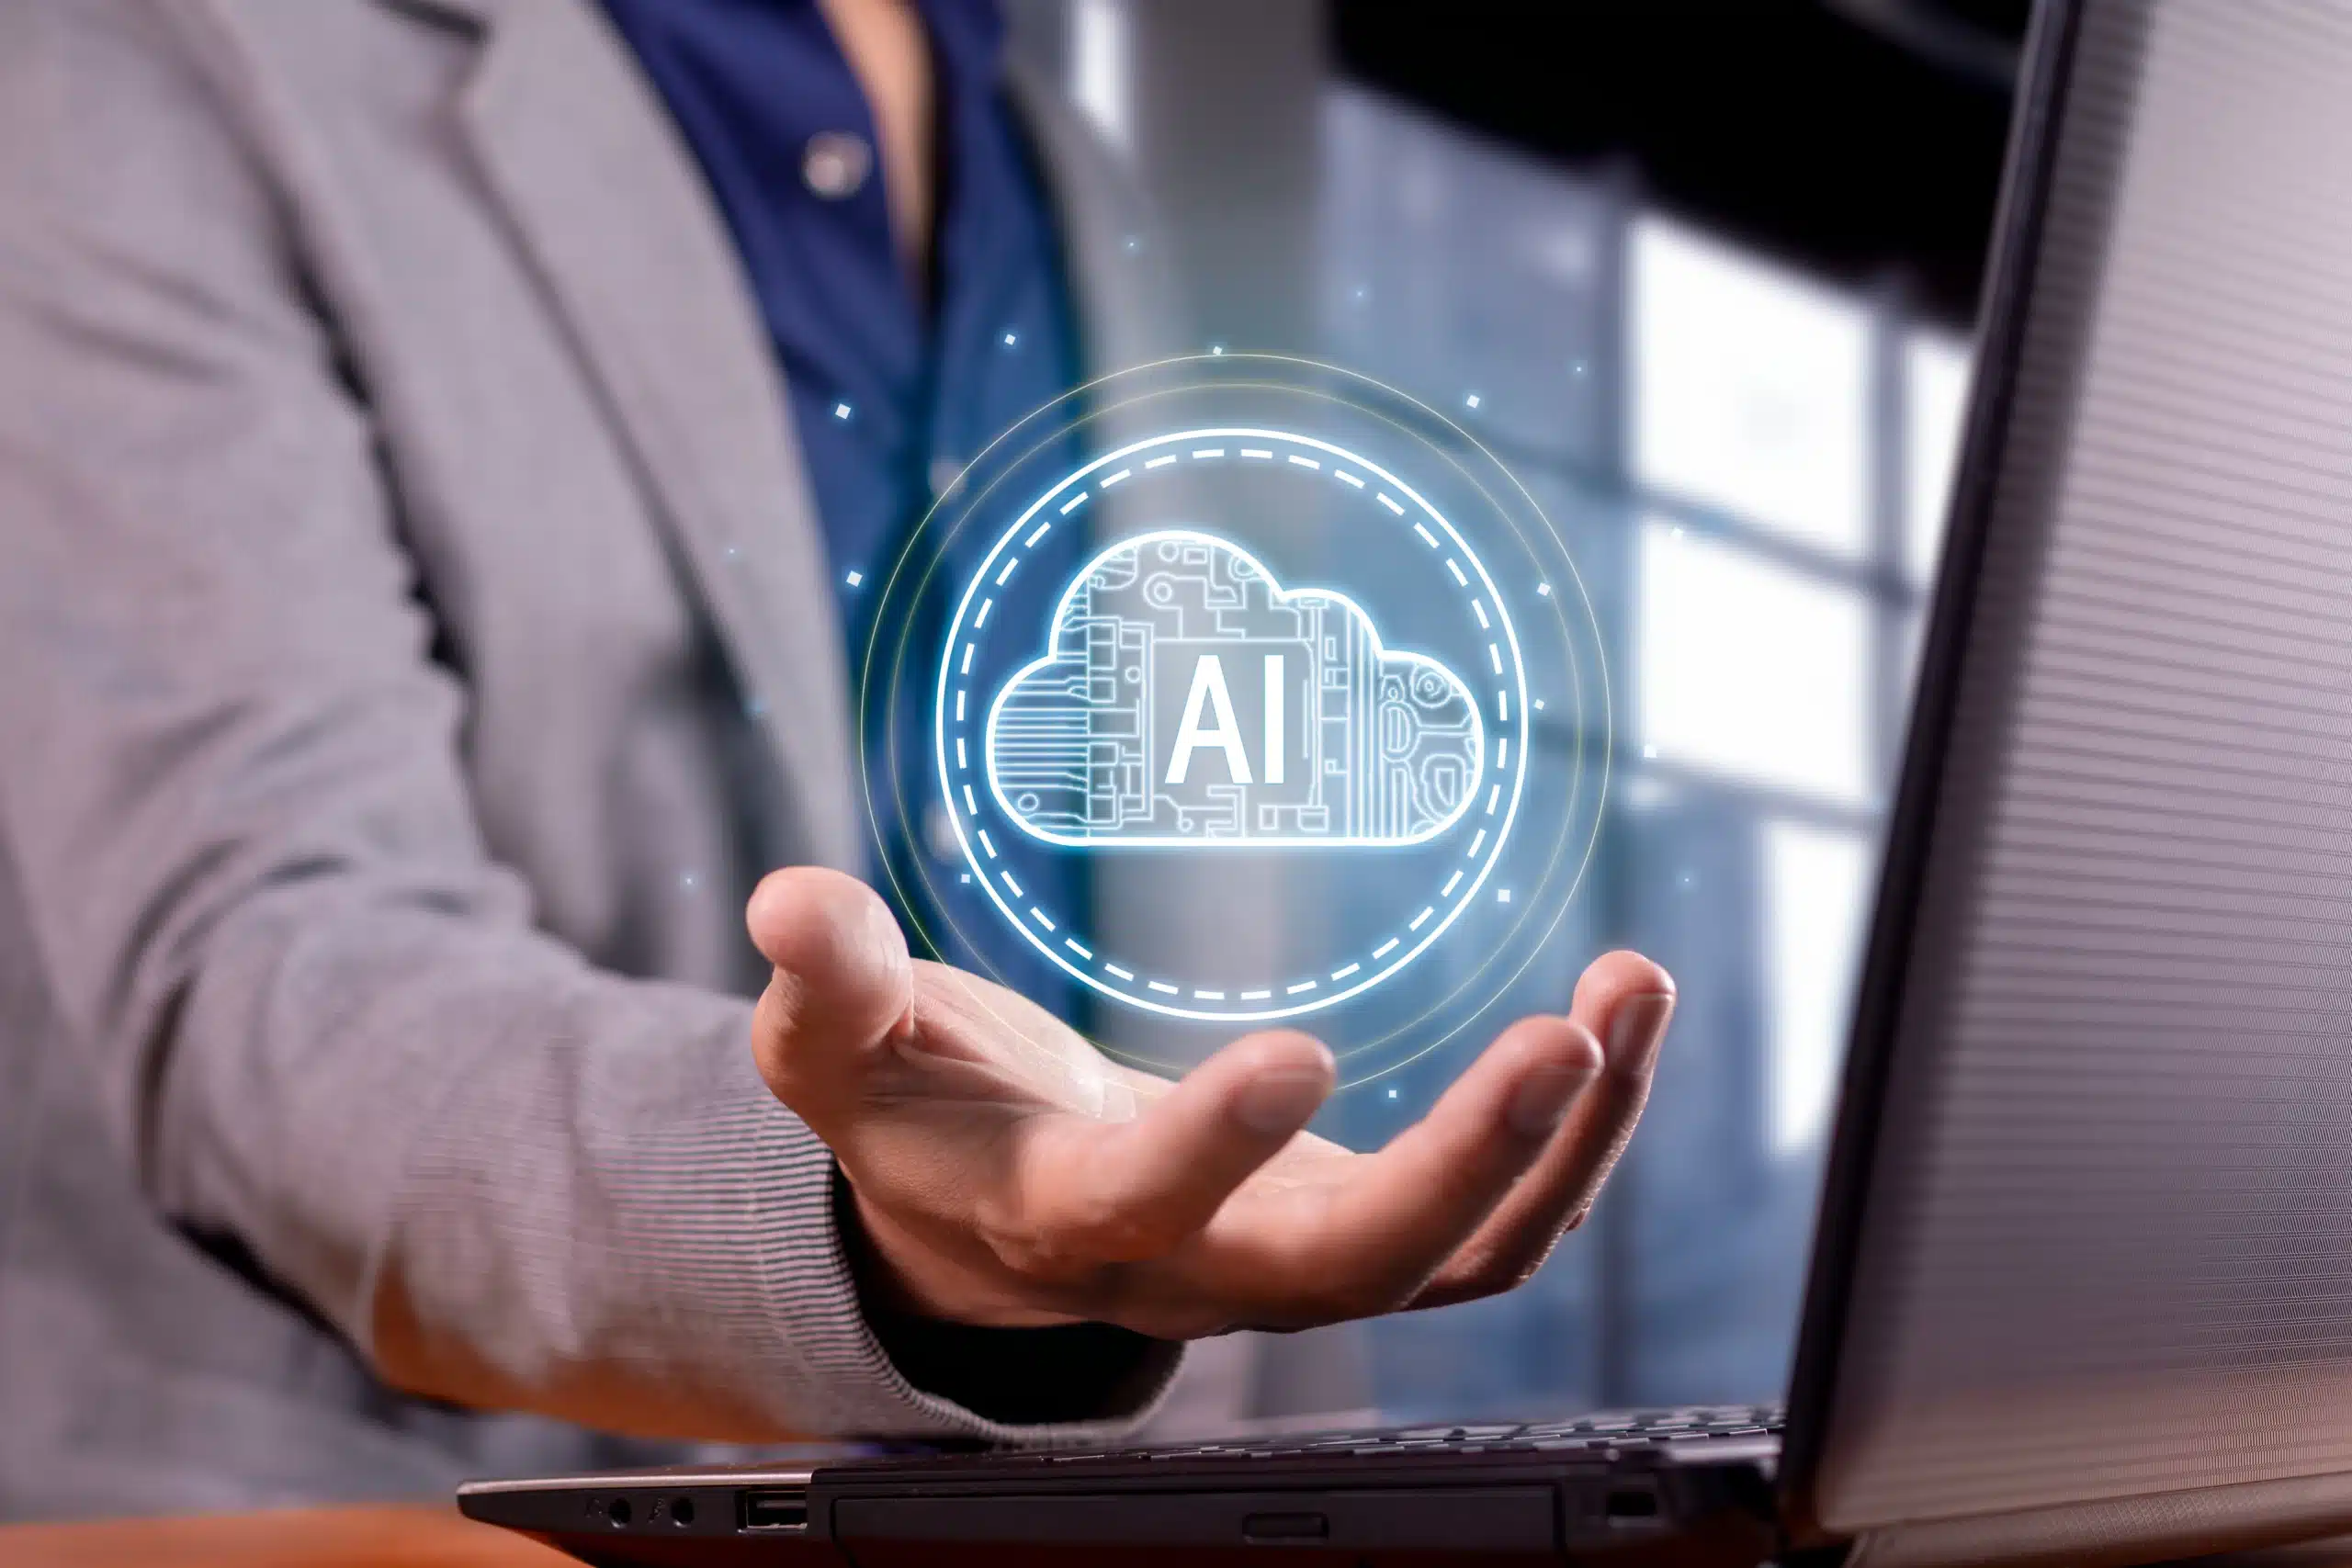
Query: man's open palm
{"x":1007,"y":1173}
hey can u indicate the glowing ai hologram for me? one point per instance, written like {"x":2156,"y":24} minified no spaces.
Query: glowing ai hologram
{"x":1178,"y":697}
{"x":1188,"y":700}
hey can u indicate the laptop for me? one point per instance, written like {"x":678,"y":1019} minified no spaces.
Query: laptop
{"x":2082,"y":1280}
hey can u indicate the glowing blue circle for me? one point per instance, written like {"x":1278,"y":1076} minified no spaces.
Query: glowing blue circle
{"x":955,"y":715}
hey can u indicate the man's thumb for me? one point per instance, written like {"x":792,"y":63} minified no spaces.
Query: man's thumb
{"x":842,"y":979}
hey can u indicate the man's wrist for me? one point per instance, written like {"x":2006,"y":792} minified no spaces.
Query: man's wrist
{"x":1026,"y":1377}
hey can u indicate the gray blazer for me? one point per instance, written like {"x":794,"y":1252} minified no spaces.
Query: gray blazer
{"x":413,"y":636}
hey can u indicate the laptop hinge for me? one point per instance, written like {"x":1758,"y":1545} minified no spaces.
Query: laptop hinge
{"x":2120,"y":1529}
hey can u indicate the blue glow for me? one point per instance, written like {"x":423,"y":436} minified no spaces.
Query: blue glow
{"x":1188,"y":606}
{"x":1211,"y":707}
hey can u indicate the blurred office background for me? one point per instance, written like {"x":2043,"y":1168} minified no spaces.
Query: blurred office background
{"x":1708,"y":273}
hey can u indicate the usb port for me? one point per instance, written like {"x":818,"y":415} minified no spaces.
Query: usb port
{"x":775,"y":1510}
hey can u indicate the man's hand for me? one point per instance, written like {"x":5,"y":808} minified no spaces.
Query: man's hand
{"x":1006,"y":1173}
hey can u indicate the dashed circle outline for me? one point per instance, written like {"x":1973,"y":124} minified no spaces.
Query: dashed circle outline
{"x":1144,"y":991}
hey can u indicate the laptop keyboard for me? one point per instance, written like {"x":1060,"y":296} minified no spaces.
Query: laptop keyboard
{"x":1614,"y":1430}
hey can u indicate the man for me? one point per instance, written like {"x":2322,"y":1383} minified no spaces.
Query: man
{"x":415,"y":632}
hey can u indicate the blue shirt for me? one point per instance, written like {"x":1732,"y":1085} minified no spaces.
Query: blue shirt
{"x":888,"y":390}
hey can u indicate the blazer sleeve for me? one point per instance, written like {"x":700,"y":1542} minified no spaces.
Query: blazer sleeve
{"x":322,"y":1019}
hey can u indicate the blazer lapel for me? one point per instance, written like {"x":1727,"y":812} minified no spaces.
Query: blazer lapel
{"x":606,"y":201}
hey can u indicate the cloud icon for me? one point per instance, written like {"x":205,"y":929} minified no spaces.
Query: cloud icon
{"x":1187,"y":699}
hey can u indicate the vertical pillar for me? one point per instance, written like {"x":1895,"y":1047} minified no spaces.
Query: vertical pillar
{"x":1223,"y":125}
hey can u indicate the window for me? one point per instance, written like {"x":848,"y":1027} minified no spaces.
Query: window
{"x":1750,"y":388}
{"x":1934,"y":401}
{"x":1748,"y":668}
{"x":1817,"y":887}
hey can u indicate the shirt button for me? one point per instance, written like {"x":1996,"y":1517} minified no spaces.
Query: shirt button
{"x":835,"y":164}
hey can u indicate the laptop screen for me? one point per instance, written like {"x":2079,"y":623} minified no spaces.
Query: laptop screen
{"x":2102,"y":1248}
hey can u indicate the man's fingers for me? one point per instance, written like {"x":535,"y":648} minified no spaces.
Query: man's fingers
{"x":842,"y":980}
{"x":1627,"y":1001}
{"x":1098,"y":1192}
{"x":1368,"y":1246}
{"x":1611,"y":980}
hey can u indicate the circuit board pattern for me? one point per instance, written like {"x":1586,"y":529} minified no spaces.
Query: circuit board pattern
{"x":1316,"y":734}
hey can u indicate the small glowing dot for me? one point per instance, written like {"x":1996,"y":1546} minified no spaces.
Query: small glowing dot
{"x":1363,"y":294}
{"x":1502,"y":895}
{"x":1472,"y":400}
{"x":1686,"y":879}
{"x":841,"y":411}
{"x":1650,"y":753}
{"x":1579,"y":366}
{"x":1543,"y":589}
{"x":1539,"y":704}
{"x":1216,"y":348}
{"x":732,"y":552}
{"x":1134,"y":244}
{"x":1392,"y":1094}
{"x":856,"y":578}
{"x":1677,"y":531}
{"x":686,"y":880}
{"x":1010,"y":339}
{"x":966,"y":877}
